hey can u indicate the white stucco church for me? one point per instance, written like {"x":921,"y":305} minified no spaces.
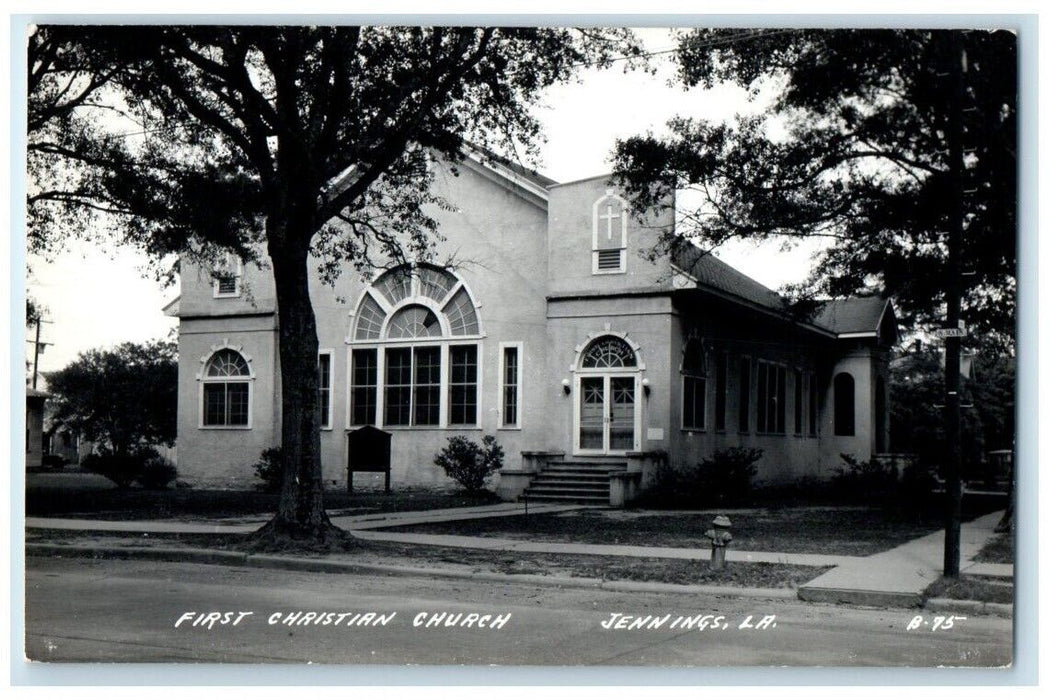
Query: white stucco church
{"x":558,"y":333}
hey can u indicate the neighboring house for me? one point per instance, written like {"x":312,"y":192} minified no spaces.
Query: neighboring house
{"x":554,"y":331}
{"x":34,"y":430}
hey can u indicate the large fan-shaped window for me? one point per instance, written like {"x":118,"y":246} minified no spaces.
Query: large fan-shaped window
{"x":609,"y":352}
{"x":415,"y":381}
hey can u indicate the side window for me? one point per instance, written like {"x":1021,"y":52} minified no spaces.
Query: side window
{"x":226,"y":391}
{"x":844,"y":404}
{"x":694,"y":387}
{"x":324,"y":383}
{"x":510,"y":386}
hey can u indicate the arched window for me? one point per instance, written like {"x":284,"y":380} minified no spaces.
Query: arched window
{"x":609,"y":352}
{"x":844,"y":404}
{"x":226,"y":390}
{"x":427,"y":376}
{"x":694,"y":386}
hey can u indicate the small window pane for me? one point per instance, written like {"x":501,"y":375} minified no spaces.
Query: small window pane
{"x":398,"y":395}
{"x":462,"y":386}
{"x":363,"y":388}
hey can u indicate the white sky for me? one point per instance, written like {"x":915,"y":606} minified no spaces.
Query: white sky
{"x":98,"y":297}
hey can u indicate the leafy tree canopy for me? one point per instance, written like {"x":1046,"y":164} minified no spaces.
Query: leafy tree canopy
{"x":291,"y":141}
{"x":124,"y":398}
{"x":851,"y":151}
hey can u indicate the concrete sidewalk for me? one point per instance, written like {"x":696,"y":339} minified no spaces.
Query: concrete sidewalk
{"x":900,"y":576}
{"x":233,"y":526}
{"x":897,"y":577}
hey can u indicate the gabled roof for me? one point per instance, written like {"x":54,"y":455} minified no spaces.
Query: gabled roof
{"x":854,"y":317}
{"x":708,"y":271}
{"x":490,"y":158}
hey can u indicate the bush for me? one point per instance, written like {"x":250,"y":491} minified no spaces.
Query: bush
{"x":468,"y":463}
{"x":157,"y":472}
{"x":723,"y":479}
{"x":54,"y":462}
{"x":268,"y":470}
{"x":865,"y":482}
{"x":122,"y":468}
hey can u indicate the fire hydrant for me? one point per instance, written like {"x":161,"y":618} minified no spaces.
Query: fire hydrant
{"x":719,"y":539}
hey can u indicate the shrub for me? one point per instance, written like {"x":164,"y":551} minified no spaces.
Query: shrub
{"x":54,"y":462}
{"x":865,"y":482}
{"x":122,"y":468}
{"x":268,"y":470}
{"x":468,"y":463}
{"x":724,"y":478}
{"x":157,"y":472}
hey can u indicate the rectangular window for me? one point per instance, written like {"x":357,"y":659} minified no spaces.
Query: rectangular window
{"x":798,"y":412}
{"x":397,"y":398}
{"x":426,"y":397}
{"x":226,"y":404}
{"x":744,"y":395}
{"x":462,"y":385}
{"x":324,"y":387}
{"x":694,"y":411}
{"x":814,"y":403}
{"x":364,"y":381}
{"x":772,"y":389}
{"x":510,"y":378}
{"x":720,"y":388}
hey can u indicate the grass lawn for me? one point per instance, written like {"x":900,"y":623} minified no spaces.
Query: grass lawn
{"x":756,"y":575}
{"x":64,"y":498}
{"x":983,"y":588}
{"x":856,"y":531}
{"x":998,"y":550}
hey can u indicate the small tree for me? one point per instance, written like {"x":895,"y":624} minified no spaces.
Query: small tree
{"x":125,"y":399}
{"x":468,"y":463}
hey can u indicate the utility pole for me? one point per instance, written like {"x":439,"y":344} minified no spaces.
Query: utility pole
{"x":952,"y":365}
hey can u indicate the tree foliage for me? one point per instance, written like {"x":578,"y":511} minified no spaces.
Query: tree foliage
{"x":851,"y":151}
{"x":283,"y":142}
{"x":124,"y":399}
{"x":917,"y":414}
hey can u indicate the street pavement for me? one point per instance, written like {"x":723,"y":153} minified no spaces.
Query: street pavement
{"x":101,"y":610}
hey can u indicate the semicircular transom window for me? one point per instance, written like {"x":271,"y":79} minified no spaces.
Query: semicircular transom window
{"x":227,"y":363}
{"x":609,"y":352}
{"x":414,"y":321}
{"x":440,"y":293}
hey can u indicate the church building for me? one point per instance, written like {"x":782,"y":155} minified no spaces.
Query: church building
{"x":557,"y":331}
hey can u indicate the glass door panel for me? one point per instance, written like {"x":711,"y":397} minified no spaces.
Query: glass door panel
{"x":592,"y":413}
{"x":621,"y":413}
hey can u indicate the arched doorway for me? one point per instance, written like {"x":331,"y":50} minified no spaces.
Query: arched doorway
{"x":607,"y":413}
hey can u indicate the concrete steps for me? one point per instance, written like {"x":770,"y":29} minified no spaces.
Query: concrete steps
{"x":573,"y":481}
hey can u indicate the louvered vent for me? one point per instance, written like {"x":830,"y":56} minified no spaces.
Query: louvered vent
{"x":609,"y":260}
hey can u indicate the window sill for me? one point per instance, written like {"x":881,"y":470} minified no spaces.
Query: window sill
{"x":694,"y":430}
{"x":223,"y":427}
{"x":515,"y":428}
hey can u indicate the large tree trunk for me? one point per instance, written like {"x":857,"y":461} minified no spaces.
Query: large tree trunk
{"x":300,"y":513}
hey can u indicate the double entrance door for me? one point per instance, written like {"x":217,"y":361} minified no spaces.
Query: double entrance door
{"x":606,"y":413}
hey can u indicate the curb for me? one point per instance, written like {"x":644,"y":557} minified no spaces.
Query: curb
{"x":307,"y":564}
{"x":951,"y":605}
{"x":882,"y":599}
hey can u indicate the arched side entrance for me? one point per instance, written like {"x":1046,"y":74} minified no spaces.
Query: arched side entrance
{"x":607,"y":406}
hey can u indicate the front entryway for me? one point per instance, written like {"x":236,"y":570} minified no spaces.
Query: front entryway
{"x":606,"y":414}
{"x":606,"y":411}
